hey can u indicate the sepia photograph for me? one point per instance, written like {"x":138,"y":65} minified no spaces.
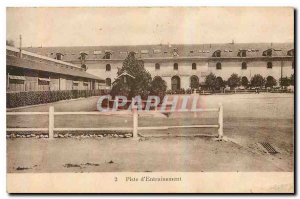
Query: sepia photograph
{"x":150,"y":99}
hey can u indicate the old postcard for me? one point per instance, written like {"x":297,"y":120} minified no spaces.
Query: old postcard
{"x":150,"y":100}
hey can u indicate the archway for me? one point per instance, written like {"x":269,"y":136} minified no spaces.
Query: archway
{"x":271,"y":81}
{"x":175,"y":81}
{"x":108,"y":82}
{"x":194,"y":82}
{"x":157,"y":77}
{"x":219,"y":83}
{"x":245,"y":81}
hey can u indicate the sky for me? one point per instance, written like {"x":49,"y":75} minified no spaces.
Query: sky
{"x":142,"y":26}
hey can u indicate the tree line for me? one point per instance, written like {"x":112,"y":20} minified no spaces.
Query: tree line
{"x":258,"y":81}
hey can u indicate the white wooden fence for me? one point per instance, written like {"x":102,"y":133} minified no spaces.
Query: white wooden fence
{"x":134,"y":129}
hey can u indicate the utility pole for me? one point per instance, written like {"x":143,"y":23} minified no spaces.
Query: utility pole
{"x":281,"y":65}
{"x":20,"y":46}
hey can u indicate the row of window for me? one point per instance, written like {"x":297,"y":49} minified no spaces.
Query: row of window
{"x":194,"y":66}
{"x":217,"y":53}
{"x":244,"y":65}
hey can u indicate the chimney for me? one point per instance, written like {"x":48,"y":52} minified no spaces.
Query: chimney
{"x":20,"y":53}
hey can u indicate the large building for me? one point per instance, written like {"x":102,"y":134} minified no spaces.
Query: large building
{"x":179,"y":64}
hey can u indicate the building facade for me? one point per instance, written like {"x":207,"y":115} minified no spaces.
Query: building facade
{"x":178,"y":65}
{"x":27,"y":71}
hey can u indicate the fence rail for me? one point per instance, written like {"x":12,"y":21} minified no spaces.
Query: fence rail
{"x":134,"y":129}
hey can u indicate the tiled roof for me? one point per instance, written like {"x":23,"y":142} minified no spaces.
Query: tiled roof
{"x":160,"y":51}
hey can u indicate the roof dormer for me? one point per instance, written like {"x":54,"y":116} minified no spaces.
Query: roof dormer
{"x":242,"y":53}
{"x":268,"y":53}
{"x":107,"y":55}
{"x":217,"y":53}
{"x":291,"y":53}
{"x":59,"y":56}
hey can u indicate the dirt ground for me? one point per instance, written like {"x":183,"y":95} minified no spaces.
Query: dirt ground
{"x":248,"y":119}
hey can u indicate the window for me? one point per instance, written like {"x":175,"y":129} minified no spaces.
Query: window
{"x":43,"y":83}
{"x":144,"y":51}
{"x":244,"y":66}
{"x":97,"y":52}
{"x":156,"y":51}
{"x":269,"y":65}
{"x":218,"y":66}
{"x":293,"y":65}
{"x":157,"y":66}
{"x":175,"y":66}
{"x":191,"y":51}
{"x":108,"y":82}
{"x":108,"y":67}
{"x":194,"y":66}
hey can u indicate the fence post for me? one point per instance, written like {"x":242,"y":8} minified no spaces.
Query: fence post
{"x":51,"y":122}
{"x":135,"y":120}
{"x":220,"y":121}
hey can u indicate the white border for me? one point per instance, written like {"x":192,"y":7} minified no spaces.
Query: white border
{"x":31,"y":3}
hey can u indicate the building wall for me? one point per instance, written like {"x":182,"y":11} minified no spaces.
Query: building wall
{"x":185,"y":71}
{"x":54,"y":82}
{"x":31,"y":81}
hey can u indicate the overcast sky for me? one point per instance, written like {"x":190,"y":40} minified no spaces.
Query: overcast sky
{"x":131,"y":26}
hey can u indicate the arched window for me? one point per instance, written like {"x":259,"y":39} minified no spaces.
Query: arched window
{"x":157,"y":66}
{"x":218,"y":66}
{"x":108,"y":82}
{"x":175,"y":66}
{"x":194,"y":82}
{"x":269,"y":65}
{"x":244,"y":66}
{"x":194,"y":66}
{"x":175,"y":83}
{"x":108,"y":67}
{"x":245,"y":81}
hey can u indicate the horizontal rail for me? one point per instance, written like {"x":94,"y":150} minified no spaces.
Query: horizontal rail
{"x":93,"y":113}
{"x":94,"y":129}
{"x":111,"y":112}
{"x":172,"y":127}
{"x":184,"y":111}
{"x":27,"y":113}
{"x":27,"y":129}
